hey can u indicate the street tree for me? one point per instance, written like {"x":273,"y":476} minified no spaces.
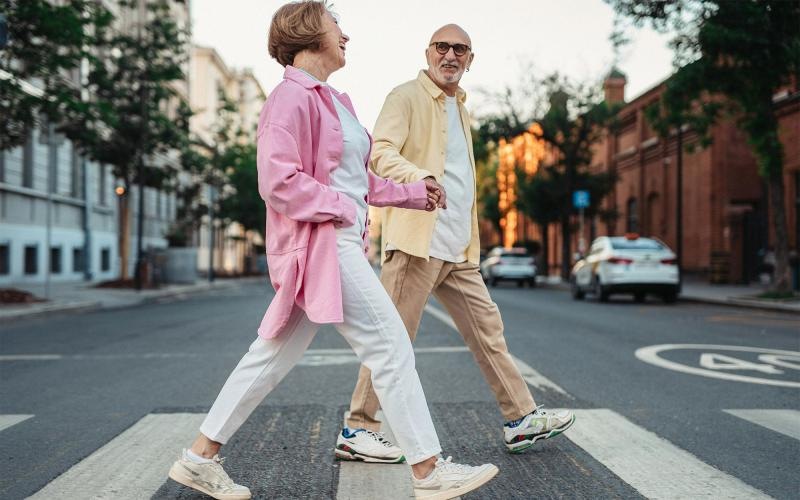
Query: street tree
{"x":38,"y":65}
{"x":574,"y":122}
{"x":743,"y":52}
{"x":133,"y":87}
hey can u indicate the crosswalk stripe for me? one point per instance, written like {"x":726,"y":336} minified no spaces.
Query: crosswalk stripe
{"x":531,"y":376}
{"x":7,"y":421}
{"x":787,"y":422}
{"x":652,"y":465}
{"x":358,"y":480}
{"x":131,"y":466}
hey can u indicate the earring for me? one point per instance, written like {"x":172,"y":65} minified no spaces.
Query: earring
{"x":467,"y":70}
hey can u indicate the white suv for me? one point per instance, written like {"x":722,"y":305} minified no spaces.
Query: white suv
{"x":626,"y":264}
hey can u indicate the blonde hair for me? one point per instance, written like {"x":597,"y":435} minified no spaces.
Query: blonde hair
{"x":295,"y":27}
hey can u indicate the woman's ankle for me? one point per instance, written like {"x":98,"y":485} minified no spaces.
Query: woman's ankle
{"x":423,"y":469}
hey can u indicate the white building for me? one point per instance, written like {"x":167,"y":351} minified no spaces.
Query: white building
{"x":59,"y":213}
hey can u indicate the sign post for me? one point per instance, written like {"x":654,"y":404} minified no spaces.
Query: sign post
{"x":580,"y":200}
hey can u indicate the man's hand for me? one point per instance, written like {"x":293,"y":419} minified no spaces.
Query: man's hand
{"x":436,"y":195}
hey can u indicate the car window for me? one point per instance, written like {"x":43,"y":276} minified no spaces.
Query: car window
{"x":637,"y":244}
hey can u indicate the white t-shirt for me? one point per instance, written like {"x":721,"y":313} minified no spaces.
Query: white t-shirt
{"x":350,"y":177}
{"x":453,"y":230}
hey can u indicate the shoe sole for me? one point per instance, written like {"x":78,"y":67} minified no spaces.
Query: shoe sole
{"x":176,"y":475}
{"x":352,"y":456}
{"x":476,"y":483}
{"x":521,"y":446}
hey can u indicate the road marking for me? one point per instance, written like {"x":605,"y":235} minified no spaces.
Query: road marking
{"x":787,"y":422}
{"x":358,"y":480}
{"x":650,"y":354}
{"x":531,"y":376}
{"x":131,"y":466}
{"x":652,"y":465}
{"x":7,"y":421}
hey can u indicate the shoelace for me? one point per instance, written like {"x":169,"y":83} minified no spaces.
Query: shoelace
{"x":379,"y":437}
{"x":225,"y":479}
{"x":449,"y":466}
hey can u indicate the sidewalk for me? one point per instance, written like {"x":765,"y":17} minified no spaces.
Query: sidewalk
{"x":700,"y":290}
{"x":83,"y":296}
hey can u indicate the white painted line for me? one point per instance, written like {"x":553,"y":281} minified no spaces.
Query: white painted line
{"x":650,"y":354}
{"x":30,"y":357}
{"x":787,"y":422}
{"x":531,"y":376}
{"x":7,"y":421}
{"x":652,"y":465}
{"x":360,"y":481}
{"x":133,"y":465}
{"x":536,"y":379}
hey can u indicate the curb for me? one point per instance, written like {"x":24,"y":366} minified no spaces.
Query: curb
{"x":77,"y":307}
{"x":743,"y":303}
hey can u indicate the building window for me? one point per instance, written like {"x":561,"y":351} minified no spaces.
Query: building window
{"x":2,"y":166}
{"x":52,"y":166}
{"x":76,"y":189}
{"x":101,"y":184}
{"x":632,"y":222}
{"x":105,"y":259}
{"x":78,"y":264}
{"x":27,"y":162}
{"x":653,"y":215}
{"x":5,"y":258}
{"x":55,"y":260}
{"x":31,"y":259}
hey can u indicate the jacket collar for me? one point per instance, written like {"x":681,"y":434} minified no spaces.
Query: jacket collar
{"x":434,"y":89}
{"x":305,"y":80}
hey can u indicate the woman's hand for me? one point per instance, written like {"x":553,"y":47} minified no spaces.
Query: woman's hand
{"x":436,"y":195}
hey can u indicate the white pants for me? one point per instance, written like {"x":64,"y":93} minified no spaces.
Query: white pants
{"x":372,"y":327}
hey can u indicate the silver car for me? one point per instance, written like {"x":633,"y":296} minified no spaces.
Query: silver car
{"x":509,"y":264}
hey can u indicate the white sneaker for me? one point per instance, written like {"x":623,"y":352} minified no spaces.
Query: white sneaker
{"x":539,"y":424}
{"x":449,"y":480}
{"x":367,"y":446}
{"x":209,"y":478}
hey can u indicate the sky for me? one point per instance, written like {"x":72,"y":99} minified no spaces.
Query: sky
{"x":388,"y":40}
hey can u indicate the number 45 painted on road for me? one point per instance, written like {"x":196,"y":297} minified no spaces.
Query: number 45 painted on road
{"x":713,"y":361}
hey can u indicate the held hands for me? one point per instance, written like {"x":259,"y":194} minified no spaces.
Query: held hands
{"x":437,"y":198}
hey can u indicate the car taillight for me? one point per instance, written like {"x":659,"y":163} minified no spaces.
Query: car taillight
{"x":619,"y":260}
{"x":669,"y":262}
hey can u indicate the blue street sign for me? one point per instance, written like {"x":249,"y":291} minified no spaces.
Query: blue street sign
{"x":580,"y":199}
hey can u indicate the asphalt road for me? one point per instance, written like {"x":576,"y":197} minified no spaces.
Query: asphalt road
{"x":75,"y":390}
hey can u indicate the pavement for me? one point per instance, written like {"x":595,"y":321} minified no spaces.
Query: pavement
{"x":83,"y":296}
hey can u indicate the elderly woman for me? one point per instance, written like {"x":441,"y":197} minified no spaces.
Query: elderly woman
{"x":313,"y":176}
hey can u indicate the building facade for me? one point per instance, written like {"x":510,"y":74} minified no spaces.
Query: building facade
{"x":59,"y":211}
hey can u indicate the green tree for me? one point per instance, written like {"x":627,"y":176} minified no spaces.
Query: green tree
{"x":133,"y":88}
{"x":574,"y":122}
{"x":743,"y":51}
{"x":243,"y":203}
{"x":46,"y":44}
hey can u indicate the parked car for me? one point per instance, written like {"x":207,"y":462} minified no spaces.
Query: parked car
{"x":509,"y":264}
{"x":626,"y":264}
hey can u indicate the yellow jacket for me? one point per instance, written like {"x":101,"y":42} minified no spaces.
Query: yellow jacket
{"x":410,"y":143}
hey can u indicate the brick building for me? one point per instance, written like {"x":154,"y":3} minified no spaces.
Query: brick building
{"x":726,"y":219}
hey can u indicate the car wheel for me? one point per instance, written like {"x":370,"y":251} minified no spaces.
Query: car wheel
{"x":520,"y":283}
{"x":600,"y":291}
{"x":670,"y":297}
{"x":493,"y":282}
{"x":639,"y":297}
{"x":532,"y":282}
{"x":577,"y":293}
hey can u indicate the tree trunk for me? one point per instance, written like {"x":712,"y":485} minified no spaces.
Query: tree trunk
{"x":545,"y":261}
{"x":566,"y":248}
{"x":124,"y":234}
{"x":781,"y":282}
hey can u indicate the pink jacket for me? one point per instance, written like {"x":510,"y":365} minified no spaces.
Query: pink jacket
{"x":299,"y":144}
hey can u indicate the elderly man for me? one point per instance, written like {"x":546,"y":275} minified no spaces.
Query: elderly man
{"x":423,"y":131}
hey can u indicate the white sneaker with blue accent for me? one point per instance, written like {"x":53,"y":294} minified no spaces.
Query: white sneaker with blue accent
{"x":539,"y":424}
{"x":367,"y":446}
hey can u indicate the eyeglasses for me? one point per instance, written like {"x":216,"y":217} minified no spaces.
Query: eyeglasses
{"x":459,"y":49}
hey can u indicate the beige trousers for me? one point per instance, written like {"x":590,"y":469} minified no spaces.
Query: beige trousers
{"x":409,"y":281}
